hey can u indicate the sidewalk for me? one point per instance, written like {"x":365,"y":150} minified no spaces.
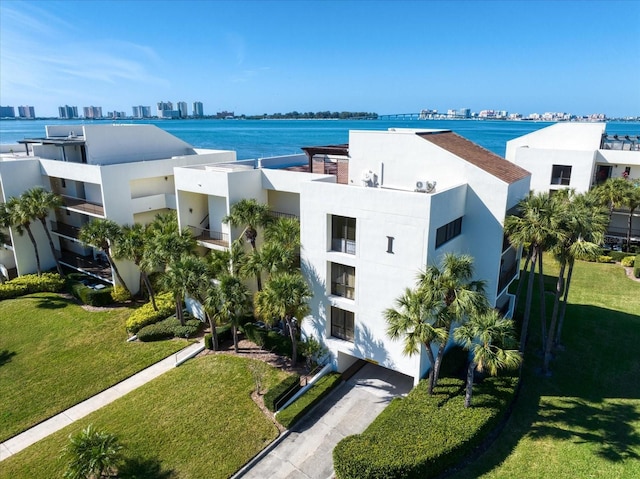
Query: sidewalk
{"x":80,"y":410}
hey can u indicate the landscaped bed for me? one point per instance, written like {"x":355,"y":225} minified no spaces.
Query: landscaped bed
{"x":54,"y":354}
{"x":195,"y":421}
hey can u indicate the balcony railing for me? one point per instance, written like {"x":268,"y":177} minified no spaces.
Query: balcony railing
{"x":507,"y":274}
{"x":280,"y":214}
{"x":82,"y":205}
{"x":343,"y":290}
{"x":86,"y":264}
{"x":209,"y":236}
{"x":343,"y":245}
{"x":620,"y":142}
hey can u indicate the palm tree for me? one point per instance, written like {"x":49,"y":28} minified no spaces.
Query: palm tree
{"x":612,"y":193}
{"x":486,"y":335}
{"x":533,"y":227}
{"x":131,"y":245}
{"x":632,"y":201}
{"x":285,"y":298}
{"x":233,"y":302}
{"x":16,"y":213}
{"x":91,"y":454}
{"x":40,"y":202}
{"x":166,"y":243}
{"x":178,"y":279}
{"x":414,"y":320}
{"x":452,"y":297}
{"x":101,"y":233}
{"x":250,"y":215}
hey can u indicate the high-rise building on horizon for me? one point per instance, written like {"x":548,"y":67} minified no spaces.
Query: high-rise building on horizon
{"x":198,"y":110}
{"x":182,"y":109}
{"x":7,"y":112}
{"x":67,"y":112}
{"x":141,"y":111}
{"x":92,"y":112}
{"x":165,"y":110}
{"x":26,"y":111}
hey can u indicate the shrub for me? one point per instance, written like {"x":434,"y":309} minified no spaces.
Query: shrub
{"x":275,"y":395}
{"x":208,"y":341}
{"x":254,"y":333}
{"x":159,"y":331}
{"x":605,"y":259}
{"x":146,"y":315}
{"x":32,"y":283}
{"x":189,"y":330}
{"x":420,"y":436}
{"x":301,"y":406}
{"x":628,"y":261}
{"x":224,"y":333}
{"x":636,"y":268}
{"x":120,"y":294}
{"x":616,"y":255}
{"x":91,"y":296}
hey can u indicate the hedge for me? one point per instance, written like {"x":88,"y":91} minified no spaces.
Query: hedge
{"x":301,"y":406}
{"x":420,"y":436}
{"x":269,"y":340}
{"x":145,"y":315}
{"x":274,"y":396}
{"x":32,"y":283}
{"x":636,"y":267}
{"x":628,"y":261}
{"x":168,"y":329}
{"x":616,"y":255}
{"x":91,"y":296}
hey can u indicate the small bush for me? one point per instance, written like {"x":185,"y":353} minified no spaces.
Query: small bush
{"x":301,"y":406}
{"x":636,"y":268}
{"x":224,"y":333}
{"x":189,"y":330}
{"x":120,"y":294}
{"x":146,"y":315}
{"x":254,"y":333}
{"x":208,"y":341}
{"x":605,"y":259}
{"x":32,"y":283}
{"x":159,"y":331}
{"x":616,"y":255}
{"x":628,"y":261}
{"x":274,"y":396}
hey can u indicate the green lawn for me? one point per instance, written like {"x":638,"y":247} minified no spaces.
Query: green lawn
{"x":54,"y":354}
{"x":584,"y":421}
{"x":195,"y":421}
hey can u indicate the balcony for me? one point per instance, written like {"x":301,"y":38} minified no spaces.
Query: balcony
{"x":62,"y":229}
{"x":280,"y":214}
{"x":210,"y":237}
{"x":81,"y":205}
{"x":508,"y":268}
{"x":86,"y":264}
{"x":620,"y":142}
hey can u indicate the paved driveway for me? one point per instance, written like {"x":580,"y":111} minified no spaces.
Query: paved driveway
{"x":306,"y":452}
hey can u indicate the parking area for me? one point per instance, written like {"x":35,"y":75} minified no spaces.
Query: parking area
{"x":306,"y":451}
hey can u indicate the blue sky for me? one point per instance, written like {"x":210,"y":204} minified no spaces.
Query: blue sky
{"x":267,"y":56}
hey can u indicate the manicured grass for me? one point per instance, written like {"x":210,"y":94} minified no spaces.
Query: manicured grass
{"x":584,"y":421}
{"x":195,"y":421}
{"x":54,"y":354}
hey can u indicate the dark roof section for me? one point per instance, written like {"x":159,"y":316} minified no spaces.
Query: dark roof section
{"x":54,"y":141}
{"x":476,"y":155}
{"x":342,"y":150}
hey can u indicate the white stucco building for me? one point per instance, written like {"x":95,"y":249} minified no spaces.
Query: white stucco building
{"x":120,"y":172}
{"x":579,"y":156}
{"x":372,"y":213}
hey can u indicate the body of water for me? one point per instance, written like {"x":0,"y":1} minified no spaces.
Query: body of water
{"x":264,"y":138}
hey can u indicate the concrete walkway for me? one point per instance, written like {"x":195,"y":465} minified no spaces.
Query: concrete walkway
{"x":305,"y":452}
{"x":55,"y":423}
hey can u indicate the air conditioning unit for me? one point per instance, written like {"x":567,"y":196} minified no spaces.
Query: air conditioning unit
{"x":425,"y":186}
{"x":369,"y":178}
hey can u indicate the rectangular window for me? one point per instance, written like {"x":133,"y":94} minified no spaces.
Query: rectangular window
{"x":343,"y":281}
{"x":341,"y":324}
{"x":560,"y":175}
{"x":343,"y":234}
{"x":448,"y":232}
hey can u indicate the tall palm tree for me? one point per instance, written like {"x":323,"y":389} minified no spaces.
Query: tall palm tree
{"x":249,"y":215}
{"x":101,"y":233}
{"x":533,"y":226}
{"x":632,"y":201}
{"x":285,"y":297}
{"x":452,"y":296}
{"x":233,"y":303}
{"x":414,"y":320}
{"x":17,"y":214}
{"x":40,"y":203}
{"x":165,"y":242}
{"x":178,"y":279}
{"x":131,"y":245}
{"x":487,"y":335}
{"x":612,"y":193}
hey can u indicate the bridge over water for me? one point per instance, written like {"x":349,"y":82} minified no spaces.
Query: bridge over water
{"x":401,"y":116}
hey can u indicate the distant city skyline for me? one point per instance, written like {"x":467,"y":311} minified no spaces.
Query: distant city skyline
{"x":283,"y":56}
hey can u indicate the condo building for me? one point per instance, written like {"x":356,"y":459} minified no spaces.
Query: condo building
{"x":198,"y":110}
{"x":67,"y":112}
{"x":580,"y":156}
{"x":120,"y":172}
{"x":27,"y":112}
{"x":373,"y":213}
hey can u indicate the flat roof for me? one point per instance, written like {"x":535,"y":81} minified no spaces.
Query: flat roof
{"x":54,"y":141}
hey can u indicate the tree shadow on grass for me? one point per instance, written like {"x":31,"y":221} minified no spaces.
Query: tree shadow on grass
{"x":144,"y":468}
{"x":50,"y":302}
{"x":5,"y":356}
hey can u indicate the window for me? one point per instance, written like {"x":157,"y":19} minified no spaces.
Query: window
{"x":341,"y":324}
{"x":560,"y":175}
{"x":343,"y":281}
{"x":343,"y":234}
{"x":448,"y":232}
